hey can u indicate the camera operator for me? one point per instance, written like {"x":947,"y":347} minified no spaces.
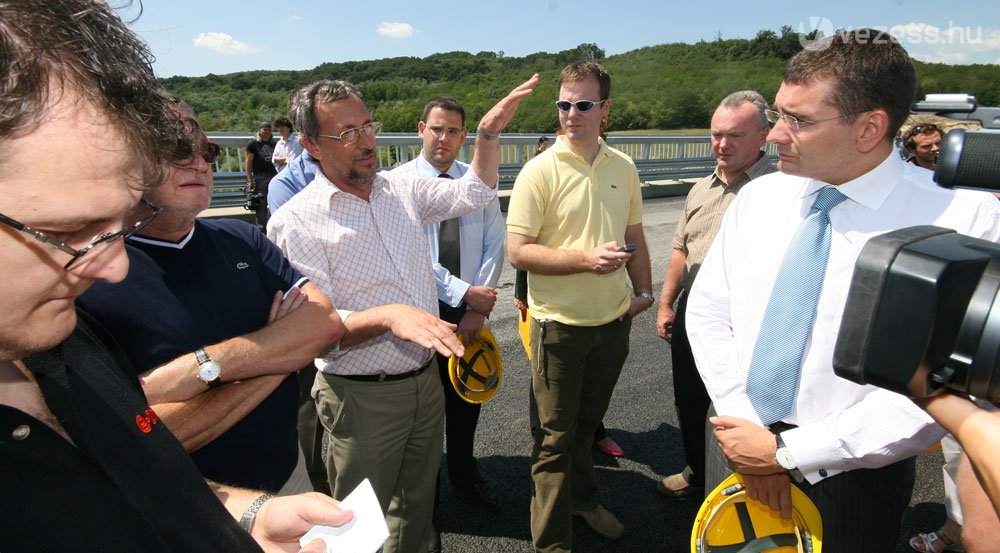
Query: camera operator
{"x":978,"y":431}
{"x":924,"y":142}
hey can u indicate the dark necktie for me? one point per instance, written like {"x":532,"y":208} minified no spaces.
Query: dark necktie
{"x":773,"y":376}
{"x":450,"y":244}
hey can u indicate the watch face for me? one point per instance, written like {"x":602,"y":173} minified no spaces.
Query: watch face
{"x":209,"y":371}
{"x":784,"y":459}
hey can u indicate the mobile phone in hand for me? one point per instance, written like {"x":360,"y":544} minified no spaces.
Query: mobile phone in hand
{"x":627,"y":248}
{"x":298,"y":284}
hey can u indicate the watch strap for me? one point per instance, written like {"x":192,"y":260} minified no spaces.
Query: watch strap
{"x":201,"y":356}
{"x":246,"y":521}
{"x":487,"y":135}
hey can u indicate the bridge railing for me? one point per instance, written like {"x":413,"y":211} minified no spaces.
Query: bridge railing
{"x":657,"y":157}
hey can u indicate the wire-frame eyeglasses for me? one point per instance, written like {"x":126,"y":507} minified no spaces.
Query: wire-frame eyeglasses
{"x":351,"y":136}
{"x":96,"y":244}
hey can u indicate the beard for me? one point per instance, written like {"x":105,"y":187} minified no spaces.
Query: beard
{"x":361,"y":178}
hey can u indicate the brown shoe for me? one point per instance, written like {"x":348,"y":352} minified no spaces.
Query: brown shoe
{"x":677,"y":487}
{"x":603,"y":522}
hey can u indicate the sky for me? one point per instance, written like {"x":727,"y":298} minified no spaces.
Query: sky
{"x":197,"y":37}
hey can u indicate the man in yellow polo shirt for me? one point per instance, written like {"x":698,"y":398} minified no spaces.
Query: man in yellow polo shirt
{"x":575,"y":223}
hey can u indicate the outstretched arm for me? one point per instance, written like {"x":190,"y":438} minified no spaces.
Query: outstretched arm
{"x":486,"y":161}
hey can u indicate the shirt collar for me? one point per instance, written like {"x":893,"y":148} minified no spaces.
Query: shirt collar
{"x":756,"y":169}
{"x":425,"y":169}
{"x":870,"y":189}
{"x":561,"y":148}
{"x":332,"y":190}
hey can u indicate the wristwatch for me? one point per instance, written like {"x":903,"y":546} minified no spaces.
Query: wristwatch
{"x":487,"y":135}
{"x":648,"y":296}
{"x":783,"y":456}
{"x":209,"y":371}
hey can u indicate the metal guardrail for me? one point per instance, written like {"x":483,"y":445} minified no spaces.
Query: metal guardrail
{"x":657,"y":157}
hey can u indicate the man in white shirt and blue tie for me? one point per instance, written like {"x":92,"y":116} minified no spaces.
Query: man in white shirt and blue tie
{"x":467,"y":253}
{"x":764,"y":314}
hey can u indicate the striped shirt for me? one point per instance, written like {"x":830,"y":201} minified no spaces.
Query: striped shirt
{"x":364,"y":254}
{"x":706,"y":203}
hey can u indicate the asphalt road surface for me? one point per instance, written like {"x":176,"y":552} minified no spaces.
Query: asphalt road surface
{"x":641,"y":419}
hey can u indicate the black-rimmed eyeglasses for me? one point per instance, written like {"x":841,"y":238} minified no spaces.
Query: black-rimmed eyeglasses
{"x":99,"y":241}
{"x":351,"y":136}
{"x":581,"y":105}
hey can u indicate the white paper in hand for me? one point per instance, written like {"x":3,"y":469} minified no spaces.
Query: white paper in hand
{"x":365,"y":533}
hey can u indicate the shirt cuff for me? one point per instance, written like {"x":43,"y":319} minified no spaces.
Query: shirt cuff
{"x":810,"y":447}
{"x":456,"y":292}
{"x":737,"y":406}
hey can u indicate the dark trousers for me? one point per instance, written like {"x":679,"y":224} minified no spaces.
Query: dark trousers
{"x":861,"y":509}
{"x":461,"y":419}
{"x":261,"y":214}
{"x":691,"y":400}
{"x":572,"y":379}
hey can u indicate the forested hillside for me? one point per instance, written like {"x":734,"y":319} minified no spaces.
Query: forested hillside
{"x":668,"y":86}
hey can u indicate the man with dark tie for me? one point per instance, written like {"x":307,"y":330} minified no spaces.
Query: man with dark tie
{"x":765,"y":310}
{"x":467,"y":252}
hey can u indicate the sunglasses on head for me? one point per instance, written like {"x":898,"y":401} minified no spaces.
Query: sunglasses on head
{"x":581,"y":105}
{"x":920,"y":129}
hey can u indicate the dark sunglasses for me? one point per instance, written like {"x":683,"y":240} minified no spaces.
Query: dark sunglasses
{"x":581,"y":105}
{"x":209,"y":152}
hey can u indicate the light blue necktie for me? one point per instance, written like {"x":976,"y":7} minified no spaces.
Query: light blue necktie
{"x":773,"y":377}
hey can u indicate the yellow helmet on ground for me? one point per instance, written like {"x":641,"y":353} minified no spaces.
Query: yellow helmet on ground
{"x":730,"y":522}
{"x":477,"y":376}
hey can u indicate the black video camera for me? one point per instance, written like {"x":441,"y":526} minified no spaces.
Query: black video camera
{"x":254,"y":200}
{"x":923,"y":312}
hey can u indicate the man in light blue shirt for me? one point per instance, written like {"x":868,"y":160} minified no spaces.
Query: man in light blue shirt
{"x":297,"y":174}
{"x":467,"y":253}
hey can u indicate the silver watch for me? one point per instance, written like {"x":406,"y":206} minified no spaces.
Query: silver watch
{"x":487,"y":135}
{"x":783,"y":456}
{"x":648,"y":296}
{"x":209,"y":371}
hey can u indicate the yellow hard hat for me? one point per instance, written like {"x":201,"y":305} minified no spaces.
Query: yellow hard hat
{"x":477,"y":376}
{"x":729,"y":522}
{"x":524,"y":330}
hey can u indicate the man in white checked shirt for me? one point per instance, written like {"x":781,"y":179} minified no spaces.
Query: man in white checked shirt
{"x":358,"y":234}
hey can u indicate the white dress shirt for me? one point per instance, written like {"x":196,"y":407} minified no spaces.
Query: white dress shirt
{"x":481,"y":238}
{"x":288,"y":149}
{"x":364,"y":254}
{"x":841,"y":425}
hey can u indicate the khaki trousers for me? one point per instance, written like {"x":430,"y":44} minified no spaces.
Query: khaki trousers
{"x":391,"y":433}
{"x":574,"y":372}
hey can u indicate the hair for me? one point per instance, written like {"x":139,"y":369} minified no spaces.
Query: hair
{"x":81,"y":47}
{"x":869,"y":70}
{"x":190,"y":129}
{"x":446,"y":103}
{"x":583,"y":70}
{"x":740,"y":97}
{"x":308,"y":96}
{"x":542,"y":140}
{"x":284,"y":122}
{"x":926,"y":129}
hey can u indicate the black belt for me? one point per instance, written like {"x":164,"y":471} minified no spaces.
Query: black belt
{"x":385,"y":377}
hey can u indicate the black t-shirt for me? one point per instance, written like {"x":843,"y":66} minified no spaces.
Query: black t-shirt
{"x":215,"y":284}
{"x":126,"y":486}
{"x":262,"y":152}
